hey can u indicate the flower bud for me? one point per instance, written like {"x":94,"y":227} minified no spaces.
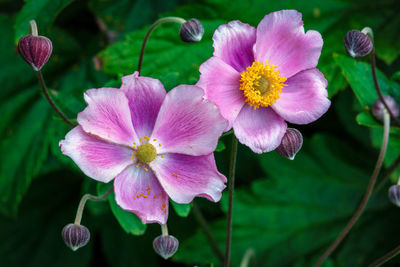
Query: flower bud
{"x":290,"y":144}
{"x":191,"y":31}
{"x":75,"y":236}
{"x":394,"y":194}
{"x":357,"y":44}
{"x":378,"y":107}
{"x":165,"y":245}
{"x":35,"y":50}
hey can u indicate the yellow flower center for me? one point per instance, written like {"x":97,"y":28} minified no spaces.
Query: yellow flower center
{"x":261,"y":84}
{"x":146,"y":153}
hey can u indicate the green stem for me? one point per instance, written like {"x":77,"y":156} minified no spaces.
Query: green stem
{"x":231,"y":186}
{"x":246,"y":258}
{"x":386,"y":258}
{"x":151,"y":29}
{"x":357,"y":214}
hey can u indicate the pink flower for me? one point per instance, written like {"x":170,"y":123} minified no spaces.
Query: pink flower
{"x":155,"y":145}
{"x":260,"y":78}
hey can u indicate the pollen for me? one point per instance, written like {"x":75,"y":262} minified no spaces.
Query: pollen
{"x":146,"y":153}
{"x":261,"y":84}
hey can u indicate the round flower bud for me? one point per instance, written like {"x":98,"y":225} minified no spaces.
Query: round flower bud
{"x":165,"y":245}
{"x":191,"y":31}
{"x":378,"y":107}
{"x":290,"y":144}
{"x":35,"y":50}
{"x":394,"y":194}
{"x":75,"y":236}
{"x":357,"y":44}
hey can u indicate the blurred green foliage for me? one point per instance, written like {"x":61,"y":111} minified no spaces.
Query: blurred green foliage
{"x":287,"y":211}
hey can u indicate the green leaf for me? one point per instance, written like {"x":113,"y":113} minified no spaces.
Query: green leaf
{"x":43,"y":11}
{"x":220,"y":146}
{"x":128,"y":221}
{"x":299,"y":201}
{"x":182,"y":210}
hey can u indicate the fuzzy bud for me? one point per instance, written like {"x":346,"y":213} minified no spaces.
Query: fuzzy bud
{"x":378,"y":107}
{"x":191,"y":31}
{"x":35,"y":50}
{"x":75,"y":236}
{"x":394,"y":194}
{"x":165,"y":245}
{"x":290,"y":144}
{"x":357,"y":44}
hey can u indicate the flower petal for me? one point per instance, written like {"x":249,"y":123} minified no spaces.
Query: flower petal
{"x":305,"y":99}
{"x":282,"y":41}
{"x":187,"y":123}
{"x":261,"y":129}
{"x":233,"y":43}
{"x":221,"y":85}
{"x":184,"y":177}
{"x":97,"y":158}
{"x":145,"y":96}
{"x":139,"y":191}
{"x":107,"y":116}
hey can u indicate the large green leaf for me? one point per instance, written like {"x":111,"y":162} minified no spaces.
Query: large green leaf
{"x":307,"y":199}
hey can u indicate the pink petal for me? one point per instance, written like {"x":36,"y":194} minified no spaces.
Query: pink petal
{"x":97,"y":158}
{"x":145,"y":96}
{"x":139,"y":191}
{"x":221,"y":85}
{"x":184,"y":177}
{"x":107,"y":116}
{"x":187,"y":124}
{"x":261,"y":129}
{"x":305,"y":99}
{"x":282,"y":41}
{"x":233,"y":43}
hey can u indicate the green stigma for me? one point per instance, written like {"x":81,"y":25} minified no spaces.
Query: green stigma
{"x":146,"y":153}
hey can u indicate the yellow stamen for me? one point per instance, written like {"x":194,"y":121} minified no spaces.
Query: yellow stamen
{"x":147,"y":138}
{"x":261,"y":84}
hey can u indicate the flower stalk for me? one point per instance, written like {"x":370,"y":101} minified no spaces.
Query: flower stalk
{"x":387,"y":257}
{"x":368,"y":192}
{"x":231,"y":187}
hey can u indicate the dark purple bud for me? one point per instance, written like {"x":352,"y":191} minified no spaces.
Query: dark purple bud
{"x":35,"y":50}
{"x":75,"y":236}
{"x":290,"y":144}
{"x":378,"y":107}
{"x":191,"y":31}
{"x":165,"y":245}
{"x":357,"y":44}
{"x":394,"y":194}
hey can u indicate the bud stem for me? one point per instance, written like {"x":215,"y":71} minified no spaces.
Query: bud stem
{"x":149,"y":32}
{"x":82,"y":203}
{"x":164,"y":229}
{"x":364,"y":201}
{"x":390,"y":255}
{"x":33,"y":27}
{"x":48,"y":97}
{"x":246,"y":258}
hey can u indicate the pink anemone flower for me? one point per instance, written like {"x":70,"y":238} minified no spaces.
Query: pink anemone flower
{"x":156,"y":145}
{"x":261,"y":77}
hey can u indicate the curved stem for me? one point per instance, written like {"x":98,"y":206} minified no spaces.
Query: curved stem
{"x":206,"y":228}
{"x":360,"y":209}
{"x":33,"y":27}
{"x":53,"y":105}
{"x":231,"y":187}
{"x":151,"y":29}
{"x":390,"y":255}
{"x":247,"y":256}
{"x":82,"y":203}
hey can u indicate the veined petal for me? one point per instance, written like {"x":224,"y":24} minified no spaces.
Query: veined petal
{"x":97,"y":158}
{"x":261,"y":129}
{"x":221,"y":85}
{"x":107,"y":116}
{"x":184,"y":177}
{"x":233,"y":43}
{"x":305,"y":99}
{"x":281,"y":41}
{"x":145,"y":96}
{"x":187,"y":123}
{"x":139,"y":191}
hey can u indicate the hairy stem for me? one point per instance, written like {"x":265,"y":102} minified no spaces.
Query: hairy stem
{"x":367,"y":194}
{"x":151,"y":29}
{"x":82,"y":203}
{"x":390,"y":255}
{"x":231,"y":187}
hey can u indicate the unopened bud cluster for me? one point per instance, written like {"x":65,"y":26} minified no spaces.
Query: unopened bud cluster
{"x":394,"y":194}
{"x":290,"y":144}
{"x":379,"y":107}
{"x":357,"y":43}
{"x":165,"y":245}
{"x":35,"y":50}
{"x":75,"y":236}
{"x":191,"y":31}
